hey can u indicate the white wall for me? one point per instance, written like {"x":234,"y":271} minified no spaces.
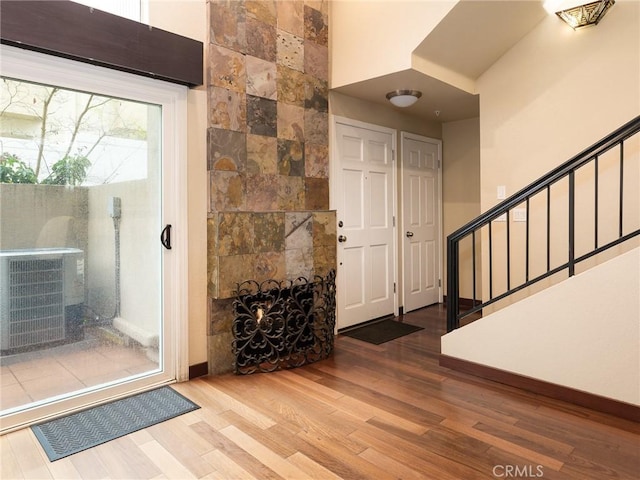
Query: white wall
{"x":583,"y":333}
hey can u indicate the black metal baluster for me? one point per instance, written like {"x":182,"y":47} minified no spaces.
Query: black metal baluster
{"x":595,"y":239}
{"x":572,"y":219}
{"x":548,"y":228}
{"x":473,"y":266}
{"x":490,"y":263}
{"x":621,"y":185}
{"x":508,"y":253}
{"x":526,"y":253}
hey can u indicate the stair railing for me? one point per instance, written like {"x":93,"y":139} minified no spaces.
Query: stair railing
{"x":502,"y":212}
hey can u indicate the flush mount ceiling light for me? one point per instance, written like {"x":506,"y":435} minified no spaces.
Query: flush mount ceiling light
{"x":585,"y":15}
{"x":404,"y":98}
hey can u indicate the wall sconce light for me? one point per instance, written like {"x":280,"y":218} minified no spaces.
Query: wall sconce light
{"x":404,"y":98}
{"x":585,"y":15}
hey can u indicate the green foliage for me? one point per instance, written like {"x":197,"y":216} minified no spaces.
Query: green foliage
{"x":14,"y":170}
{"x":71,"y":170}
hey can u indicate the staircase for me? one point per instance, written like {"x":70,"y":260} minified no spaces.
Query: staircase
{"x":555,"y":305}
{"x":584,"y":207}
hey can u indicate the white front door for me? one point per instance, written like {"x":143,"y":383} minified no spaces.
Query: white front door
{"x":420,"y":221}
{"x":365,"y":212}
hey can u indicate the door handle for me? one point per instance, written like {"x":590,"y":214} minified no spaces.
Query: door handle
{"x":342,"y":238}
{"x":165,"y":237}
{"x":409,"y":234}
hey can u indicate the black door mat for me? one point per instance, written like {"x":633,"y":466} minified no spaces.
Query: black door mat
{"x":79,"y":431}
{"x":382,"y":331}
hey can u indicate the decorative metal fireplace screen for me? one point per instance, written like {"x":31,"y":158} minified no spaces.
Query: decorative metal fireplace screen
{"x":284,"y":324}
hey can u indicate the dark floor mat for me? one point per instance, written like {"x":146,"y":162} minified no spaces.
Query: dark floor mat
{"x":382,"y":331}
{"x":73,"y":433}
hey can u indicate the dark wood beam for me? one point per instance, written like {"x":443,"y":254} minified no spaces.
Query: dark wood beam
{"x":77,"y":32}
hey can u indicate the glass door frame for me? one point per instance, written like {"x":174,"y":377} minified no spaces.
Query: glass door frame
{"x":41,"y":68}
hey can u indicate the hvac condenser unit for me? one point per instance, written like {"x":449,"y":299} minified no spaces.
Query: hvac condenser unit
{"x":41,"y":296}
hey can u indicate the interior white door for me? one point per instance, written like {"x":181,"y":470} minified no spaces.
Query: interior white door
{"x":365,"y":213}
{"x":420,"y":221}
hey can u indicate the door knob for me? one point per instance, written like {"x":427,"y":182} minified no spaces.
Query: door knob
{"x":342,"y":238}
{"x":409,"y":234}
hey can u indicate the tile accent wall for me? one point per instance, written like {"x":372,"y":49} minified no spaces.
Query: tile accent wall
{"x":268,"y":152}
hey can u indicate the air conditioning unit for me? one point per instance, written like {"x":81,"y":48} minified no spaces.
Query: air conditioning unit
{"x":41,"y":297}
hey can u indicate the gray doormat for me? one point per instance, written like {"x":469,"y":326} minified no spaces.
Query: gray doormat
{"x":381,"y":332}
{"x":79,"y":431}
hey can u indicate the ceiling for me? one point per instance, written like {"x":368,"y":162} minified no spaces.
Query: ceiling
{"x":437,"y":96}
{"x":473,"y":36}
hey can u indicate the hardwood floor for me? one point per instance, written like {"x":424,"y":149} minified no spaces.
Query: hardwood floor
{"x":368,"y":412}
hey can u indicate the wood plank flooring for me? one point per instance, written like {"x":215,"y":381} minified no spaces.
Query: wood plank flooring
{"x":368,"y":412}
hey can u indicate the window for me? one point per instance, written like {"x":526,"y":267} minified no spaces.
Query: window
{"x":131,"y":9}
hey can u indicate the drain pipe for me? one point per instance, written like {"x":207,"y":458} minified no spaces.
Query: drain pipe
{"x":115,"y":211}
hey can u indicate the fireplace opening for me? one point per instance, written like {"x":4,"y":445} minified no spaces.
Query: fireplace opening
{"x":283,"y":324}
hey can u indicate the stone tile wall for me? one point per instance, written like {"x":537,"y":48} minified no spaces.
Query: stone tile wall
{"x":268,"y":152}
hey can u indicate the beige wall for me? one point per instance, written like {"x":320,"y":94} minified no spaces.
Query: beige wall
{"x":461,"y":193}
{"x":559,"y":337}
{"x":139,"y":256}
{"x":552,"y":95}
{"x":65,"y":207}
{"x":384,"y":116}
{"x":369,"y":39}
{"x":192,"y":22}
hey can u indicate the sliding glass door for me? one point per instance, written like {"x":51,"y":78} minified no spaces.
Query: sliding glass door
{"x":85,"y":311}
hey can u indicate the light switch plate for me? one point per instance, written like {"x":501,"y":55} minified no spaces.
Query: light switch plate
{"x":519,"y":214}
